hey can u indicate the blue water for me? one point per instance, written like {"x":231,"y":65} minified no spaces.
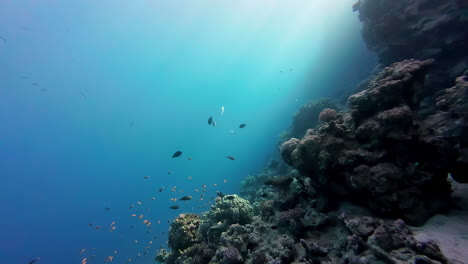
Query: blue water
{"x":96,"y":95}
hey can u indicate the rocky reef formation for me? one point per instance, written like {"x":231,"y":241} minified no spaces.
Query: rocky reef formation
{"x":418,"y":29}
{"x":382,"y":153}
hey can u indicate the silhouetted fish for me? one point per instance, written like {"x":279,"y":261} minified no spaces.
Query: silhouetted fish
{"x":34,"y":260}
{"x":177,"y":154}
{"x":174,"y":207}
{"x":220,"y":194}
{"x":210,"y":120}
{"x":242,"y":125}
{"x":161,"y":189}
{"x":186,"y":198}
{"x":230,"y":157}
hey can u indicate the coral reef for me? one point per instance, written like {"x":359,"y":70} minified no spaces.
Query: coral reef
{"x":381,"y":153}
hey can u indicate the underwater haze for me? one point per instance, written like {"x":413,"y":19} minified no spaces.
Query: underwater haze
{"x":96,"y":97}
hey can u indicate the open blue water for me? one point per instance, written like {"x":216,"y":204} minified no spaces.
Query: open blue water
{"x":96,"y":95}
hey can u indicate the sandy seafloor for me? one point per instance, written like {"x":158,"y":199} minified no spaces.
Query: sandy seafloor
{"x":450,"y":230}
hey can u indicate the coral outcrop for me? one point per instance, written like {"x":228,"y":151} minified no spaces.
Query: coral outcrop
{"x":381,"y":153}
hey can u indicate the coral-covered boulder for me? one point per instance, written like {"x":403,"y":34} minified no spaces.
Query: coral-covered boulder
{"x":231,"y":209}
{"x":183,"y":231}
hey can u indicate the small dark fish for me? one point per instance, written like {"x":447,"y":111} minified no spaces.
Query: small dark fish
{"x":220,"y":194}
{"x":82,"y":94}
{"x":210,"y":120}
{"x":35,"y":84}
{"x":242,"y":125}
{"x":264,"y":195}
{"x":146,"y":177}
{"x":177,"y":154}
{"x":231,"y":157}
{"x":43,"y":90}
{"x":161,"y":189}
{"x":186,"y":198}
{"x":189,"y":158}
{"x":174,"y":207}
{"x":214,"y":123}
{"x":34,"y":260}
{"x":107,"y":208}
{"x":170,"y":172}
{"x":230,"y":197}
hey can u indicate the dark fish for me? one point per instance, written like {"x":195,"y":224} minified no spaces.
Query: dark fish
{"x":35,"y":84}
{"x":186,"y":198}
{"x":230,"y":157}
{"x":220,"y":194}
{"x":107,"y":208}
{"x":174,"y":207}
{"x":210,"y":120}
{"x":43,"y":90}
{"x":230,"y":197}
{"x":177,"y":154}
{"x":161,"y":189}
{"x":34,"y":260}
{"x":189,"y":158}
{"x":242,"y":125}
{"x":146,"y":177}
{"x":82,"y":94}
{"x":264,"y":195}
{"x":170,"y":172}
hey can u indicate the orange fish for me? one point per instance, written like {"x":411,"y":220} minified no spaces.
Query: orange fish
{"x":196,"y":190}
{"x":112,"y":229}
{"x":174,"y":199}
{"x":146,"y":221}
{"x":215,"y":184}
{"x":109,"y":258}
{"x":139,"y":203}
{"x":140,"y":217}
{"x":83,"y":250}
{"x":83,"y":261}
{"x":113,"y":223}
{"x":225,"y":181}
{"x":153,"y":198}
{"x":133,"y":214}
